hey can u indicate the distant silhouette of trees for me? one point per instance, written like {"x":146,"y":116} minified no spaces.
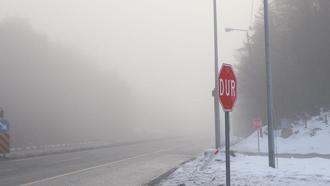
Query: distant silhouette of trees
{"x":53,"y":95}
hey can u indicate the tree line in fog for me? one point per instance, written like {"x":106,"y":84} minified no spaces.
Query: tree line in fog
{"x":300,"y":45}
{"x":51,"y":94}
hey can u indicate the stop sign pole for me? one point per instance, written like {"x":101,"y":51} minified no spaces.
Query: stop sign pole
{"x":227,"y":95}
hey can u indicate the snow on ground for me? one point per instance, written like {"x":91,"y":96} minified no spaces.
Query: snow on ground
{"x":209,"y":170}
{"x":251,"y":170}
{"x":313,"y":139}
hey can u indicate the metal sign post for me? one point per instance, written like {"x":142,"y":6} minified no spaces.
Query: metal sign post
{"x":227,"y":130}
{"x":257,"y":124}
{"x":228,"y":95}
{"x":258,"y":131}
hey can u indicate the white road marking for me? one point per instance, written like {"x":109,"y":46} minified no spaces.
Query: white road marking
{"x":98,"y":166}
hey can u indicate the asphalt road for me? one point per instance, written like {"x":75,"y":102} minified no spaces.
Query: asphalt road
{"x":129,"y":164}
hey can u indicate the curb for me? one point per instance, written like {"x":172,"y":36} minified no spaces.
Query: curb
{"x":160,"y":178}
{"x":287,"y":155}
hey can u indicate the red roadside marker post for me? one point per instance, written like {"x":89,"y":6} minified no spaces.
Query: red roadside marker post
{"x":227,"y":96}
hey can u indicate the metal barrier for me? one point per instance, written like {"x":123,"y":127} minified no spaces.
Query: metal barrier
{"x":4,"y":143}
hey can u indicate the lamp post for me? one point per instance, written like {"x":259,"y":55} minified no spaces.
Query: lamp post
{"x":271,"y":155}
{"x":247,"y":38}
{"x":216,"y":88}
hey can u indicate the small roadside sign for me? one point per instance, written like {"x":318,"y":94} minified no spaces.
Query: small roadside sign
{"x":257,"y":123}
{"x":4,"y":126}
{"x":4,"y":137}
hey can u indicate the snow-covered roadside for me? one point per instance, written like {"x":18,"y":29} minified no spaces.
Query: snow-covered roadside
{"x":313,"y":139}
{"x":251,"y":170}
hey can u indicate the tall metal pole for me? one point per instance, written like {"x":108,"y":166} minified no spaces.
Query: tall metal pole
{"x":216,"y":88}
{"x":269,"y":89}
{"x":249,"y":43}
{"x":227,"y":128}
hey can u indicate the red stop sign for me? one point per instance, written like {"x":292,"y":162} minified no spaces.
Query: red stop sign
{"x":227,"y":87}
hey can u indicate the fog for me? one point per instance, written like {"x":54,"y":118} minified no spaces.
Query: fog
{"x":75,"y":70}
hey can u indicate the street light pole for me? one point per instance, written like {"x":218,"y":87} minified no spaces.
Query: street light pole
{"x":247,"y":38}
{"x":249,"y":44}
{"x":271,"y":155}
{"x":216,"y":88}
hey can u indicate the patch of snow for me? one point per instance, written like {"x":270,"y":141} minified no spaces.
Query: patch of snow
{"x":209,"y":170}
{"x":251,"y":170}
{"x":313,"y":139}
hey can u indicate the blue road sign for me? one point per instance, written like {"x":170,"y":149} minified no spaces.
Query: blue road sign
{"x":4,"y":126}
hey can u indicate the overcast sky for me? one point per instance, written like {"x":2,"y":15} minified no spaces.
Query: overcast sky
{"x":102,"y":26}
{"x":162,"y":48}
